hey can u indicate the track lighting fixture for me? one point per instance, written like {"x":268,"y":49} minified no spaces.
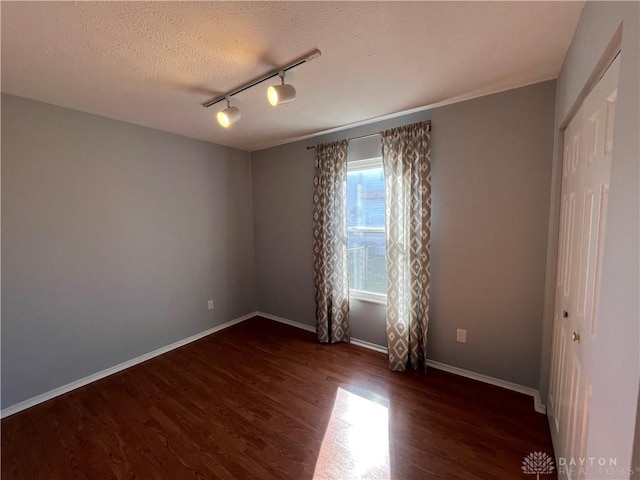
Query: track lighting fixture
{"x":229,"y":115}
{"x":279,"y":94}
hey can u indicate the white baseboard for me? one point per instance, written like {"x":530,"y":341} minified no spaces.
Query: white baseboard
{"x":538,"y":405}
{"x":309,"y":328}
{"x":117,"y":368}
{"x":370,"y":346}
{"x":286,"y":321}
{"x":18,"y":407}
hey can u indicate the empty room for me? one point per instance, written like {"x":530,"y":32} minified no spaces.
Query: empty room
{"x":320,"y":240}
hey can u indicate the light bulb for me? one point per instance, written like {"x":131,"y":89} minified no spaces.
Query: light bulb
{"x":279,"y":94}
{"x":228,"y":116}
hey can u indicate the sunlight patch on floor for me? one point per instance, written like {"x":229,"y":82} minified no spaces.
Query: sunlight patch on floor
{"x":356,"y":442}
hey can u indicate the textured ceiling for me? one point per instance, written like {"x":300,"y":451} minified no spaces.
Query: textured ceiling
{"x":155,"y":63}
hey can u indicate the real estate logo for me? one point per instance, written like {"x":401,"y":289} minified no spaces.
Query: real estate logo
{"x":538,"y":463}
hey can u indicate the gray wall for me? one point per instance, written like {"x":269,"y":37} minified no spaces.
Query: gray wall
{"x":616,"y":374}
{"x":114,"y":237}
{"x":492,"y":161}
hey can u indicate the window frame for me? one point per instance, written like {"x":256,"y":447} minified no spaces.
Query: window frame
{"x":363,"y":295}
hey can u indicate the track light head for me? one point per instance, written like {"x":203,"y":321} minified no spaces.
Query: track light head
{"x":279,"y":94}
{"x":228,"y":116}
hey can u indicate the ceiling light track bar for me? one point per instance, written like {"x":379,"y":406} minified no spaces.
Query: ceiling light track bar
{"x":272,"y":73}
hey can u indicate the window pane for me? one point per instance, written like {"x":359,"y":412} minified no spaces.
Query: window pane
{"x":365,"y":198}
{"x":365,"y":211}
{"x":367,"y":264}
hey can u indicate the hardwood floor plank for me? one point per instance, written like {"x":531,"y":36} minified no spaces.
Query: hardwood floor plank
{"x":265,"y":400}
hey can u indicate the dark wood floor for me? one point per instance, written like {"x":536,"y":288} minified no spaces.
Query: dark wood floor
{"x":264,"y":400}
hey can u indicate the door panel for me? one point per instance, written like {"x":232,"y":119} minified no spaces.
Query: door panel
{"x":599,"y":234}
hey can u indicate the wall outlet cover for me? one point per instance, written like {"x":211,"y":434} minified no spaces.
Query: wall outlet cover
{"x":461,"y":336}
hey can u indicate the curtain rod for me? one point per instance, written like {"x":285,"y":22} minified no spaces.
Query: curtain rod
{"x":311,"y":147}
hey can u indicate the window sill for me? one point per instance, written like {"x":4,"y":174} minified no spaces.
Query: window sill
{"x":368,"y":297}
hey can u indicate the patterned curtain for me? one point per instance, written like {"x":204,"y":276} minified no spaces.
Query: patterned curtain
{"x":330,"y":242}
{"x":406,"y":157}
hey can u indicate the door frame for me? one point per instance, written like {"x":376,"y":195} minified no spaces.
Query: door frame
{"x":553,"y":235}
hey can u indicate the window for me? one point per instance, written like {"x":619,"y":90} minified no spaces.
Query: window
{"x":365,"y":227}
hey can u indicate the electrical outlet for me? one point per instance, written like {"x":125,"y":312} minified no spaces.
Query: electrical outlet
{"x":461,"y":336}
{"x":210,"y":304}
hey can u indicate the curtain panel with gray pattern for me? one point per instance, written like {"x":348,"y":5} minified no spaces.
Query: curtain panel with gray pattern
{"x":406,"y":157}
{"x":330,"y":263}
